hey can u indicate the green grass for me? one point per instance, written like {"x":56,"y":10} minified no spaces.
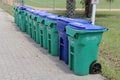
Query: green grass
{"x":7,"y":8}
{"x":109,"y":48}
{"x":62,"y":3}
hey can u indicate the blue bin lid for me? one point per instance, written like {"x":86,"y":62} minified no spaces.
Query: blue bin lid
{"x":63,"y":22}
{"x":82,"y":21}
{"x":44,"y":14}
{"x":37,"y":12}
{"x":53,"y":17}
{"x":80,"y":26}
{"x":22,"y":7}
{"x":31,"y":10}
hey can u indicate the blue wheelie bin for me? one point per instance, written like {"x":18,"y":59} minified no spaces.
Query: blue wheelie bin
{"x":63,"y":37}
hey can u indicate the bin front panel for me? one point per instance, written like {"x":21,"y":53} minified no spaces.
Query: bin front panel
{"x":52,"y":38}
{"x":63,"y":46}
{"x":43,"y":33}
{"x":83,"y":51}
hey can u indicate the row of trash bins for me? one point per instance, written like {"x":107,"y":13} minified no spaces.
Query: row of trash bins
{"x":75,"y":41}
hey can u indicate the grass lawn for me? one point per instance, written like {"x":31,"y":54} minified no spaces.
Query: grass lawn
{"x":109,"y":52}
{"x":8,"y":9}
{"x":62,"y":3}
{"x":110,"y":46}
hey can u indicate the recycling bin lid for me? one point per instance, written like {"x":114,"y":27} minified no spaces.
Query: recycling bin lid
{"x":31,"y":10}
{"x":37,"y":12}
{"x":82,"y":21}
{"x":22,"y":7}
{"x":53,"y":17}
{"x":68,"y":20}
{"x":62,"y":22}
{"x":44,"y":14}
{"x":80,"y":26}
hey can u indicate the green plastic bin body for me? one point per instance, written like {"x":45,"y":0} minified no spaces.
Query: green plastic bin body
{"x":22,"y":20}
{"x":83,"y":49}
{"x":30,"y":22}
{"x":27,"y":22}
{"x":37,"y":30}
{"x":34,"y":24}
{"x":17,"y":17}
{"x":15,"y":14}
{"x":42,"y":32}
{"x":52,"y":37}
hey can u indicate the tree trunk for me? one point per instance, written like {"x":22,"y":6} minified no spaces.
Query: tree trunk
{"x":70,"y":8}
{"x":88,"y":8}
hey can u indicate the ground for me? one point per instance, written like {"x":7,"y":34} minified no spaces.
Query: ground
{"x":22,"y":59}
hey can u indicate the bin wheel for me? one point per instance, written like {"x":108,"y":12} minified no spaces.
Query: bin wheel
{"x":95,"y":68}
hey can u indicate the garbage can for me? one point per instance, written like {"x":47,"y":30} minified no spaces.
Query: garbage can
{"x":26,"y":20}
{"x":35,"y":29}
{"x":21,"y":17}
{"x":63,"y":38}
{"x":22,"y":20}
{"x":15,"y":14}
{"x":39,"y":19}
{"x":84,"y":40}
{"x":30,"y":22}
{"x":42,"y":29}
{"x":52,"y":35}
{"x":27,"y":14}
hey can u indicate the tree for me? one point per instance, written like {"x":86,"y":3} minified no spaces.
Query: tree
{"x":88,"y":8}
{"x":70,"y":8}
{"x":110,"y":1}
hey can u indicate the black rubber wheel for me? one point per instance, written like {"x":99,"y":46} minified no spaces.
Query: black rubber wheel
{"x":95,"y":68}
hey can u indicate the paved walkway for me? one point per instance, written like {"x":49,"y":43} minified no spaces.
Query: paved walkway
{"x":22,"y":59}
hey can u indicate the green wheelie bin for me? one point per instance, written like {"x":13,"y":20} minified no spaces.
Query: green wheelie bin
{"x":41,"y":20}
{"x":84,"y":40}
{"x":35,"y":25}
{"x":27,"y":22}
{"x":52,"y":35}
{"x":22,"y":20}
{"x":28,"y":16}
{"x":30,"y":22}
{"x":15,"y":14}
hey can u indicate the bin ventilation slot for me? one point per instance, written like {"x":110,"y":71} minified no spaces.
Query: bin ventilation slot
{"x":41,"y":40}
{"x":61,"y":50}
{"x":72,"y":49}
{"x":41,"y":32}
{"x":49,"y":36}
{"x":72,"y":61}
{"x":61,"y":40}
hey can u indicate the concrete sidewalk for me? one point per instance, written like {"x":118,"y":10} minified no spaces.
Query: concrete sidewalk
{"x":22,"y":59}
